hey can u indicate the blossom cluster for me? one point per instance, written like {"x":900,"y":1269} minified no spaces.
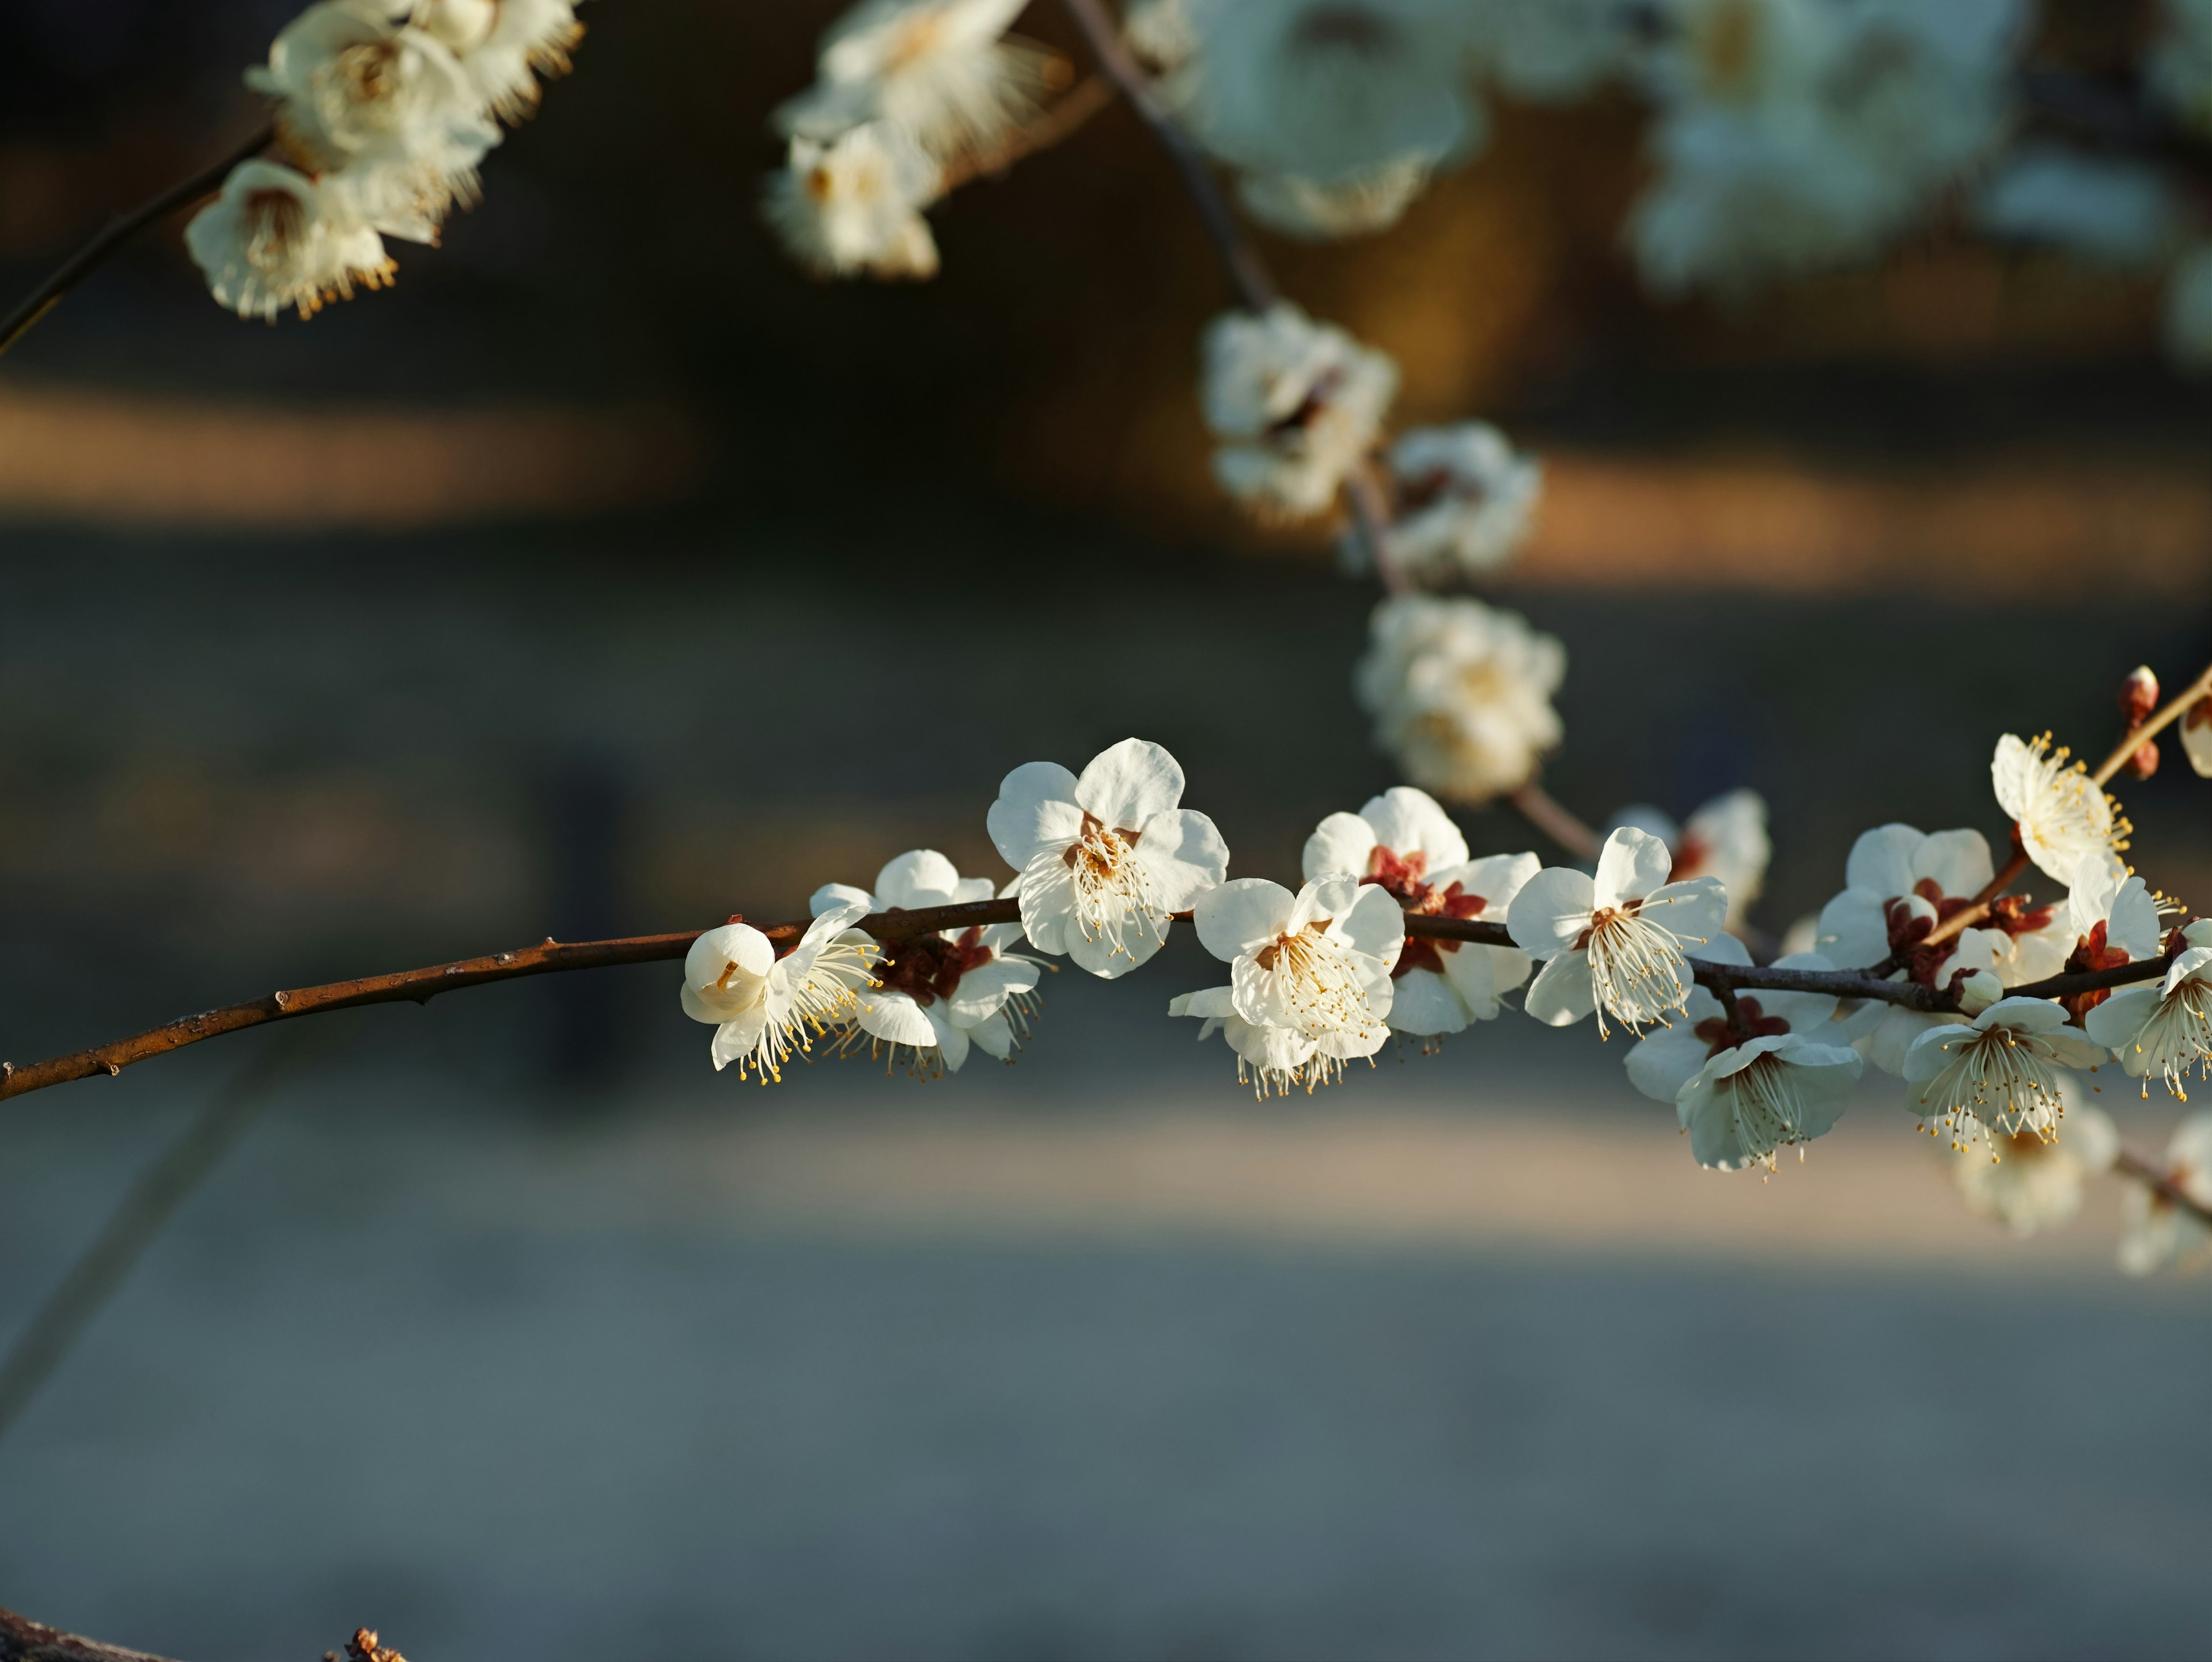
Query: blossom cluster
{"x":383,"y":110}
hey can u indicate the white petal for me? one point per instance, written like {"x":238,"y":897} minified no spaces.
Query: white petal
{"x":1498,"y":878}
{"x":1959,"y":860}
{"x":951,"y":1039}
{"x":1854,"y":930}
{"x":1424,"y":1003}
{"x":1721,"y":948}
{"x":986,"y":987}
{"x":1552,"y":910}
{"x":1694,"y":910}
{"x":1126,"y":785}
{"x":1241,"y":916}
{"x":1048,"y":899}
{"x":1210,"y":1001}
{"x":736,"y":1038}
{"x":2009,"y":770}
{"x":1890,"y":1038}
{"x":1141,"y":940}
{"x":1036,"y":808}
{"x":1375,"y":924}
{"x":918,"y":878}
{"x":2133,"y":927}
{"x":1562,"y":992}
{"x":2115,"y":1022}
{"x":1479,"y":974}
{"x":970,"y":889}
{"x":1662,"y":1064}
{"x":1341,"y":842}
{"x":895,"y":1018}
{"x":1629,"y":866}
{"x":1324,"y":899}
{"x":1934,"y":1050}
{"x":994,"y":1038}
{"x":1185,"y":854}
{"x":1881,"y":861}
{"x":2025,"y":1015}
{"x":1409,"y":821}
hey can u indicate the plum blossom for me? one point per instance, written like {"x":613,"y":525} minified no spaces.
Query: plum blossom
{"x":1295,"y":403}
{"x":1998,"y":1074}
{"x":854,"y":203}
{"x":1663,"y":1062}
{"x":1403,"y":843}
{"x":1618,"y":942}
{"x":762,"y":1006}
{"x":1463,"y":499}
{"x":2154,"y":1230}
{"x":274,"y":239}
{"x":2063,"y":816}
{"x":1273,"y":1060}
{"x":939,"y":71}
{"x":937,"y":994}
{"x":2179,"y":66}
{"x":1356,"y":204}
{"x":2111,"y":919}
{"x":504,"y":46}
{"x":2163,"y":1028}
{"x":1314,"y":965}
{"x":383,"y":109}
{"x":1794,"y":134}
{"x":1103,"y":861}
{"x":1754,"y":1099}
{"x":2030,"y":1183}
{"x":1460,"y":694}
{"x":1327,"y":89}
{"x":1725,"y":839}
{"x":1899,"y":884}
{"x":1553,"y":51}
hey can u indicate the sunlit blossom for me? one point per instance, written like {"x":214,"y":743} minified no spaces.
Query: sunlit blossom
{"x":274,"y":240}
{"x":2063,"y":816}
{"x":762,"y":1007}
{"x":504,"y":46}
{"x":1999,"y":1074}
{"x":2163,"y":1029}
{"x":1460,"y":694}
{"x":853,"y":204}
{"x":1297,"y":404}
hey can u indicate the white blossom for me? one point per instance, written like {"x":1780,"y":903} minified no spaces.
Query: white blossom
{"x":1664,"y":1061}
{"x":762,"y":1006}
{"x":1315,"y":964}
{"x":1554,"y":51}
{"x":1358,"y":204}
{"x":2031,"y":1183}
{"x":941,"y":71}
{"x":1274,"y":1061}
{"x":1795,"y":134}
{"x":1295,"y":403}
{"x":1899,"y":884}
{"x":1161,"y":34}
{"x":2062,"y":815}
{"x":2180,"y":67}
{"x":1328,"y":89}
{"x":1462,"y":502}
{"x":1104,"y":859}
{"x":937,"y":994}
{"x":380,"y":108}
{"x":2163,"y":1028}
{"x":504,"y":46}
{"x":1725,"y":839}
{"x":2189,"y":309}
{"x":1999,"y":1074}
{"x":2115,"y":209}
{"x":855,"y":204}
{"x":1618,"y":942}
{"x":274,"y":239}
{"x":2194,"y":725}
{"x":2154,"y":1231}
{"x":1754,"y":1099}
{"x":1406,"y":845}
{"x":1460,"y":694}
{"x":2111,"y":919}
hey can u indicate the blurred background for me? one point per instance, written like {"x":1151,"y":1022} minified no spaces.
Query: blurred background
{"x":609,"y":576}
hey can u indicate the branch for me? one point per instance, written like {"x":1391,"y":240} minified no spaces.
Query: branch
{"x":2161,"y":1183}
{"x":1978,"y":909}
{"x":1063,"y":118}
{"x":1543,"y":810}
{"x":22,"y":1640}
{"x":119,"y":230}
{"x":2168,"y":713}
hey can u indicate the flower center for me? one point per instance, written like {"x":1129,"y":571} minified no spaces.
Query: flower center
{"x":1316,"y":983}
{"x":1400,"y":876}
{"x":1114,"y":892}
{"x":929,"y":967}
{"x":274,"y":220}
{"x":1635,"y":964}
{"x":1907,"y":929}
{"x":1999,"y":1079}
{"x":2177,"y":1036}
{"x":1757,"y":1024}
{"x":1766,"y":1107}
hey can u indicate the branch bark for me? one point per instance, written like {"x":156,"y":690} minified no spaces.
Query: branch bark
{"x":2161,"y":1183}
{"x":119,"y":231}
{"x":25,"y":1641}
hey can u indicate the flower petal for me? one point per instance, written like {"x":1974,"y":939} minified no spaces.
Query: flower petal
{"x":994,"y":1036}
{"x":1562,"y":992}
{"x":1409,"y":821}
{"x":1694,"y":910}
{"x":1959,"y":860}
{"x":1036,"y":808}
{"x":734,"y":1039}
{"x":1854,"y":932}
{"x":1660,"y":1064}
{"x":1479,"y":974}
{"x":1375,"y":925}
{"x":2115,"y":1023}
{"x":1341,"y":842}
{"x":1881,"y":861}
{"x":1552,"y":910}
{"x":1426,"y":1004}
{"x":1498,"y":878}
{"x":987,"y":986}
{"x":1127,"y":784}
{"x":896,"y":1019}
{"x":1239,"y":917}
{"x":1185,"y":854}
{"x":1141,"y":940}
{"x":1629,"y":866}
{"x":1208,"y":1002}
{"x":918,"y":878}
{"x":1934,"y":1049}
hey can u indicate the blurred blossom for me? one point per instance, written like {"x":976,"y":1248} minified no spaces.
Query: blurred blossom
{"x":1619,"y":941}
{"x":937,"y":994}
{"x":1355,"y":204}
{"x":1463,"y":502}
{"x":274,"y":239}
{"x":505,"y":45}
{"x":1403,"y":843}
{"x":855,"y":204}
{"x":1460,"y":694}
{"x":2189,"y":312}
{"x":2153,"y":1231}
{"x":1330,"y":90}
{"x":1551,"y":51}
{"x":2029,"y":1183}
{"x":1794,"y":134}
{"x":2180,"y":67}
{"x":938,"y":71}
{"x":2110,"y":209}
{"x":1160,"y":32}
{"x":1298,"y":404}
{"x":1725,"y":839}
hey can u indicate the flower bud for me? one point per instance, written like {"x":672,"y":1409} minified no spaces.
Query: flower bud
{"x":1977,"y":991}
{"x":2138,"y":697}
{"x":2144,"y":762}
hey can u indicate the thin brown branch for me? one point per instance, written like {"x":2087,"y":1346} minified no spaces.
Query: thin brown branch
{"x":119,"y":231}
{"x":1064,"y":118}
{"x":24,"y":1640}
{"x":1978,"y":908}
{"x":2168,"y":713}
{"x":1540,"y":809}
{"x":2161,"y":1183}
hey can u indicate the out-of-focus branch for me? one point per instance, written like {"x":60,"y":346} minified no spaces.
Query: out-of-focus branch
{"x":1540,"y":809}
{"x":25,"y":1641}
{"x":1065,"y":117}
{"x":2161,"y":1184}
{"x":119,"y":231}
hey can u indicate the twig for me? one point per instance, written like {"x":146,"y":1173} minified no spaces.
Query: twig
{"x":24,"y":1640}
{"x":2168,"y":713}
{"x":137,"y":1220}
{"x":2161,"y":1183}
{"x":119,"y":230}
{"x":1063,"y":118}
{"x":1540,"y":809}
{"x":1979,"y":907}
